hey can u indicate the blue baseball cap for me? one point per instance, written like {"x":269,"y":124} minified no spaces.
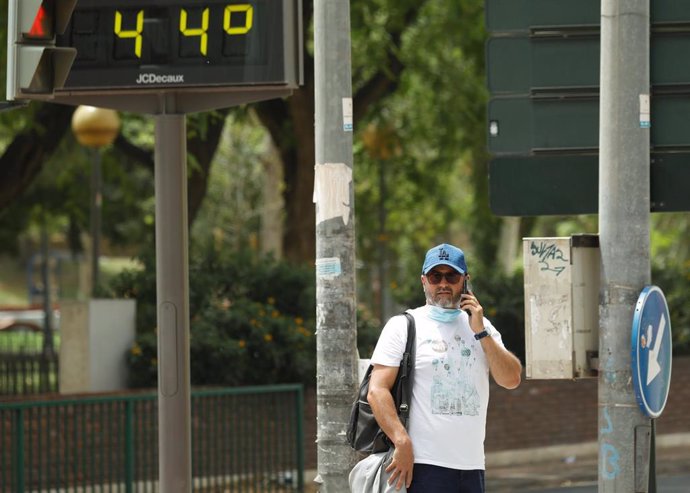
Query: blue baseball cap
{"x":445,"y":254}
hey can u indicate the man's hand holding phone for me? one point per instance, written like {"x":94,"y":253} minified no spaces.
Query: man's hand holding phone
{"x":470,"y":304}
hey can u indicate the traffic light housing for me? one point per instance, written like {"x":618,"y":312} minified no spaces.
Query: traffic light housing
{"x":35,"y":66}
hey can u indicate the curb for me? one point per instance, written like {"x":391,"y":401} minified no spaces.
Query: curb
{"x":561,"y":452}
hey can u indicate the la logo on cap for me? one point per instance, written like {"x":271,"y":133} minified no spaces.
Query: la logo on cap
{"x":443,"y":255}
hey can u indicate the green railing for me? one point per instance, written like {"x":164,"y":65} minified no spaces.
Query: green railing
{"x":26,"y":366}
{"x":247,"y":439}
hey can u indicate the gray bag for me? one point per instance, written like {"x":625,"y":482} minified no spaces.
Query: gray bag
{"x":369,"y":475}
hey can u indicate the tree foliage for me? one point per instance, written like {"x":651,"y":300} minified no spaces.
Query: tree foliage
{"x":252,"y":320}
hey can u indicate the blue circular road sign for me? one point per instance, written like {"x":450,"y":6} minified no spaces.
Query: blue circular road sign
{"x":651,"y":351}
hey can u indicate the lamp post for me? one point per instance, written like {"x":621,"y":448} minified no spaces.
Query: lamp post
{"x":95,"y":128}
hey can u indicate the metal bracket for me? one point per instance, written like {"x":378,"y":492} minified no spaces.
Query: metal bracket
{"x":643,"y":441}
{"x":12,"y":105}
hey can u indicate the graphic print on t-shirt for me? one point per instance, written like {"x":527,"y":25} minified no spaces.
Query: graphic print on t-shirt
{"x":453,"y":391}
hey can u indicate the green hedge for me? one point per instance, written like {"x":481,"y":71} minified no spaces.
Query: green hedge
{"x":251,"y":320}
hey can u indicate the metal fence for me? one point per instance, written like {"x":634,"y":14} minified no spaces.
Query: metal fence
{"x":247,"y":439}
{"x":27,"y":364}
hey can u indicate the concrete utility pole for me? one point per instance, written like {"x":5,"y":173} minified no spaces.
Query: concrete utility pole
{"x":336,"y":335}
{"x":624,"y":201}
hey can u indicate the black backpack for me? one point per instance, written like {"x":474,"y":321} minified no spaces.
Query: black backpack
{"x":363,"y":432}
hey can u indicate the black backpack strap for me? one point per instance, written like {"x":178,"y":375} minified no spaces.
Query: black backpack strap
{"x":406,"y":367}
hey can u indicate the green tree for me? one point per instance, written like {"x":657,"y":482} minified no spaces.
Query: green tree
{"x":399,"y":57}
{"x":421,"y":165}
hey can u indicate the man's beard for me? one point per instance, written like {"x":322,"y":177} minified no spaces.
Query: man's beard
{"x":441,"y":301}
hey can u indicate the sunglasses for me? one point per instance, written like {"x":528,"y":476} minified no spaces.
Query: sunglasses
{"x":435,"y":277}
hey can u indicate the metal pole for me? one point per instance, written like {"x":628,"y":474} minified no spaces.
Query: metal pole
{"x":624,"y":201}
{"x":172,"y":264}
{"x":96,"y":205}
{"x":45,"y":280}
{"x":384,"y":292}
{"x":336,"y":335}
{"x":48,"y":345}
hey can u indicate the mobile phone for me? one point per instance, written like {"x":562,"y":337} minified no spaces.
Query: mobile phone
{"x":467,"y":289}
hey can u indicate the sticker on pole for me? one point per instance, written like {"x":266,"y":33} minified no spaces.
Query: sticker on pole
{"x":651,"y":351}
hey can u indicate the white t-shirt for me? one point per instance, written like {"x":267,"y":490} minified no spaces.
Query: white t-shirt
{"x":450,"y":392}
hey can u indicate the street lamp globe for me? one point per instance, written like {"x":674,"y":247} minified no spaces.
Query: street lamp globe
{"x":95,"y":127}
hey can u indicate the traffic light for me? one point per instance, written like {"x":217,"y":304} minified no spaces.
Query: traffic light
{"x":35,"y":66}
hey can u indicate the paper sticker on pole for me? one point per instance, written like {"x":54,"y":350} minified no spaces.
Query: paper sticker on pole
{"x":332,"y":191}
{"x":645,"y":111}
{"x":651,"y":351}
{"x":328,"y":268}
{"x":347,"y":115}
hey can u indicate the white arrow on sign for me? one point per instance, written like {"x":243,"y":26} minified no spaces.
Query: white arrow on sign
{"x":653,"y":366}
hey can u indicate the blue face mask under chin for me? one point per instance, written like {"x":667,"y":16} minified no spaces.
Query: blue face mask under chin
{"x":444,"y":315}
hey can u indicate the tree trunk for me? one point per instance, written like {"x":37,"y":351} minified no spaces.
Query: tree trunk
{"x":25,"y":156}
{"x":509,"y":244}
{"x":273,"y":205}
{"x":300,"y":233}
{"x":295,"y":144}
{"x":203,"y":147}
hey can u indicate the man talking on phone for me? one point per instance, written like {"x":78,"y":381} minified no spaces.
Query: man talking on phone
{"x":456,"y":349}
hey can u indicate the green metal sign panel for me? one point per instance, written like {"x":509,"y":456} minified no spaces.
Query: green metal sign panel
{"x":672,"y":12}
{"x":522,"y":125}
{"x":667,"y":67}
{"x":520,"y":15}
{"x":670,"y":121}
{"x":669,"y":178}
{"x":531,"y":186}
{"x":565,"y":185}
{"x":526,"y":15}
{"x":524,"y":64}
